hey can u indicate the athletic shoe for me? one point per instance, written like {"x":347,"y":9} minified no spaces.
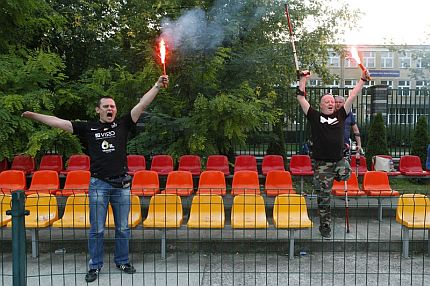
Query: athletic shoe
{"x":127,"y":268}
{"x":92,"y":275}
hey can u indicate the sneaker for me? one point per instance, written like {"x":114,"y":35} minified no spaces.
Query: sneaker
{"x":325,"y":232}
{"x":127,"y":268}
{"x":92,"y":275}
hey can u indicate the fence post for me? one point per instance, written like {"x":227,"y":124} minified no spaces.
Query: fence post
{"x":18,"y":212}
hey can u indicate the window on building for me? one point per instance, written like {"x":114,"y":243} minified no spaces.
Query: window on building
{"x":422,"y":88}
{"x":387,"y":82}
{"x":369,"y":60}
{"x":405,"y":59}
{"x":419,"y":63}
{"x":333,"y":60}
{"x":315,"y":82}
{"x":350,"y":82}
{"x":404,"y":88}
{"x":369,"y":83}
{"x":387,"y":60}
{"x":350,"y":63}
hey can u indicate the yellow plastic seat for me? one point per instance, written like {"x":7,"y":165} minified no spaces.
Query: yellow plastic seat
{"x":290,"y":211}
{"x":135,"y":215}
{"x":165,"y":211}
{"x":5,"y":204}
{"x":248,"y":211}
{"x":207,"y":211}
{"x":412,"y":212}
{"x":76,"y":213}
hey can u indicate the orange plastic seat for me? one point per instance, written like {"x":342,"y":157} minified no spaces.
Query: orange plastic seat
{"x":362,"y":165}
{"x":272,"y":163}
{"x":248,"y":211}
{"x":218,"y":163}
{"x":77,"y":162}
{"x":145,"y":183}
{"x":51,"y":162}
{"x":135,"y":163}
{"x":278,"y":182}
{"x":376,"y":183}
{"x":5,"y":205}
{"x":23,"y":163}
{"x":165,"y":211}
{"x":190,"y":163}
{"x":245,"y":182}
{"x":212,"y":182}
{"x":44,"y":182}
{"x":134,"y":217}
{"x":76,"y":212}
{"x":162,"y":164}
{"x":179,"y":183}
{"x":392,"y":172}
{"x":207,"y":211}
{"x":12,"y":180}
{"x":77,"y":182}
{"x":352,"y":187}
{"x":245,"y":163}
{"x":411,"y":166}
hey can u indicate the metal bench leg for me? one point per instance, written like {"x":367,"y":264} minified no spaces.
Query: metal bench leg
{"x":379,"y":209}
{"x":405,"y":239}
{"x":291,"y":237}
{"x":428,"y":243}
{"x":34,"y":243}
{"x":163,"y":244}
{"x":301,"y":184}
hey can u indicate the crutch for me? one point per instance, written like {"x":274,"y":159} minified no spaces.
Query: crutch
{"x":347,"y":157}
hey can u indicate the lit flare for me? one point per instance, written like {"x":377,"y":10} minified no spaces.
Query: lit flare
{"x":356,"y":57}
{"x":163,"y":55}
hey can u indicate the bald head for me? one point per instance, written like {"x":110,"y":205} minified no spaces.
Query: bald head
{"x":327,"y":104}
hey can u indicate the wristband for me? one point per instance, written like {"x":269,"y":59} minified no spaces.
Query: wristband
{"x":157,"y":86}
{"x":364,"y":79}
{"x":300,"y":92}
{"x":357,"y":134}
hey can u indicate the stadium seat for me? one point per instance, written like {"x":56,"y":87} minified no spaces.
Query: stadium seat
{"x":393,"y":172}
{"x":76,"y":212}
{"x":212,"y":182}
{"x":218,"y":163}
{"x":248,"y":211}
{"x":162,"y":164}
{"x":77,"y":182}
{"x":290,"y":212}
{"x":190,"y":163}
{"x":207,"y":211}
{"x":135,"y":163}
{"x":23,"y":163}
{"x":135,"y":215}
{"x":179,"y":183}
{"x":413,"y":212}
{"x":51,"y":162}
{"x":352,"y":188}
{"x":411,"y":166}
{"x":376,"y":184}
{"x":77,"y":162}
{"x":301,"y":165}
{"x":12,"y":180}
{"x":245,"y":163}
{"x":271,"y":163}
{"x":4,"y":165}
{"x":245,"y":182}
{"x":5,"y":205}
{"x":278,"y":183}
{"x":45,"y":181}
{"x":145,"y":183}
{"x":362,"y":165}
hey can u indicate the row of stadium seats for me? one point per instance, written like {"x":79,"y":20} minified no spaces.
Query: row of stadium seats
{"x":299,"y":165}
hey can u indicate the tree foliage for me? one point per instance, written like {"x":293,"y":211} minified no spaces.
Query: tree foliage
{"x":420,"y":140}
{"x":377,"y":139}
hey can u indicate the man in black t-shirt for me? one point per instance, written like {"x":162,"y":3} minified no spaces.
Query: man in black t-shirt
{"x":327,"y":129}
{"x":106,"y":141}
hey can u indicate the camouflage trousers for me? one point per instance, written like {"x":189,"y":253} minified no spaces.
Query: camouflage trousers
{"x":324,"y":173}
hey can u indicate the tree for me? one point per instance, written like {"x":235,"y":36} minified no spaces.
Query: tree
{"x":420,"y":140}
{"x":377,"y":139}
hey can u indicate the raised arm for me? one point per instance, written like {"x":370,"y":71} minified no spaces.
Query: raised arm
{"x":148,"y":97}
{"x":301,"y":92}
{"x":49,"y":120}
{"x":348,"y":103}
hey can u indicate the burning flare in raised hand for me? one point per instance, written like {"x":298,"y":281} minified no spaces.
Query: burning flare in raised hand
{"x":356,"y":57}
{"x":163,"y":55}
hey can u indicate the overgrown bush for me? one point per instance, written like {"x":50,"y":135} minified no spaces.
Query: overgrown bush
{"x":377,"y":140}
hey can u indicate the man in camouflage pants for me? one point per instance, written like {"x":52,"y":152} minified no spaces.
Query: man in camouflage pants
{"x":327,"y":130}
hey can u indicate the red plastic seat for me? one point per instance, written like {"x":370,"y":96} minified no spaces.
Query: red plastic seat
{"x":77,"y":182}
{"x":376,"y":183}
{"x":411,"y":166}
{"x":218,"y":163}
{"x":352,"y":188}
{"x":190,"y":163}
{"x":51,"y":162}
{"x":179,"y":183}
{"x":392,"y":173}
{"x":145,"y":183}
{"x":245,"y":163}
{"x":271,"y":163}
{"x":162,"y":164}
{"x":12,"y":180}
{"x":77,"y":162}
{"x":279,"y":182}
{"x":4,"y":165}
{"x":23,"y":163}
{"x":301,"y":165}
{"x":362,"y":166}
{"x":44,"y":182}
{"x":244,"y":183}
{"x":135,"y":163}
{"x":212,"y":182}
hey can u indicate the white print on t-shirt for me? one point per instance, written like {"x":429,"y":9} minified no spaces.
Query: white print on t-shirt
{"x":107,"y":147}
{"x":329,"y":121}
{"x":101,"y":135}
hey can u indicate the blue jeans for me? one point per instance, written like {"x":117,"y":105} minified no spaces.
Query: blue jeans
{"x":100,"y":194}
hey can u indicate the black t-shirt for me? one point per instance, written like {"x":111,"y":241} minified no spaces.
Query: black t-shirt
{"x":327,"y":134}
{"x":106,"y":144}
